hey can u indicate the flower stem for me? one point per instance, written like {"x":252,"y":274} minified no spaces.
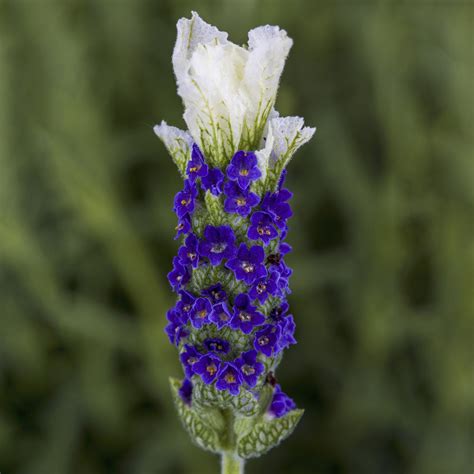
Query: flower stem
{"x":232,"y":464}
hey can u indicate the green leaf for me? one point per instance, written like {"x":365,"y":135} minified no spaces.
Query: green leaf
{"x":267,"y":434}
{"x":203,"y":428}
{"x":208,"y":396}
{"x":245,"y":403}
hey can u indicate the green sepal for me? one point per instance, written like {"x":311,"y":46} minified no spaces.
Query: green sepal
{"x":215,"y":208}
{"x":203,"y":427}
{"x":181,"y":155}
{"x":267,"y":434}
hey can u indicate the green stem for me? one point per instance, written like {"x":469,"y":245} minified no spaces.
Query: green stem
{"x":232,"y":464}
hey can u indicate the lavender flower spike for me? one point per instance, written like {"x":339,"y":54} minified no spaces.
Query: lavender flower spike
{"x":231,"y":323}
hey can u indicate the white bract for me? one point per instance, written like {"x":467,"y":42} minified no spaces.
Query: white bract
{"x":229,"y":93}
{"x":177,"y":142}
{"x":287,"y":135}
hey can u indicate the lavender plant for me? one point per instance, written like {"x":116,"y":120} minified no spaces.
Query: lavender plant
{"x":231,"y":323}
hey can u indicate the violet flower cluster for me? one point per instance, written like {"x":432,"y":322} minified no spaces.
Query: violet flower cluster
{"x":232,"y":330}
{"x":231,"y":322}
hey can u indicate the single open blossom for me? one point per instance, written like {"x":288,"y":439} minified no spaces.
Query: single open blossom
{"x":231,"y":321}
{"x":213,"y":181}
{"x":197,"y":167}
{"x":243,"y":168}
{"x":265,"y":287}
{"x":245,"y":317}
{"x":229,"y":378}
{"x":250,"y":368}
{"x":218,"y":243}
{"x":179,"y":276}
{"x":266,"y":340}
{"x":279,"y":312}
{"x":176,"y":332}
{"x":185,"y":305}
{"x":284,"y":272}
{"x":281,"y":403}
{"x":248,"y":265}
{"x":185,"y":200}
{"x":200,"y":313}
{"x":262,"y":227}
{"x":188,"y":253}
{"x":207,"y":367}
{"x":287,"y":329}
{"x":276,"y":204}
{"x":215,"y":292}
{"x":173,"y":316}
{"x":188,"y":358}
{"x":184,"y":226}
{"x":220,"y":315}
{"x":175,"y":328}
{"x":239,"y":201}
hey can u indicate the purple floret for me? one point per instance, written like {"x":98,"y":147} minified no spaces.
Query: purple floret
{"x":184,"y":226}
{"x":185,"y":305}
{"x":220,"y":315}
{"x":200,"y":313}
{"x":249,"y":367}
{"x":245,"y":317}
{"x":265,"y":287}
{"x":188,"y":253}
{"x":197,"y":167}
{"x":184,"y":200}
{"x":266,"y":340}
{"x":213,"y":181}
{"x":189,"y":357}
{"x":287,"y":326}
{"x":175,"y":328}
{"x":278,"y":313}
{"x":215,"y":292}
{"x":179,"y":276}
{"x":248,"y":265}
{"x":262,"y":227}
{"x":243,"y":168}
{"x":207,"y":368}
{"x":217,"y":243}
{"x":229,"y":378}
{"x":285,"y":272}
{"x":186,"y":391}
{"x":173,"y":315}
{"x":239,"y":201}
{"x":281,"y":403}
{"x":175,"y":332}
{"x":277,"y":206}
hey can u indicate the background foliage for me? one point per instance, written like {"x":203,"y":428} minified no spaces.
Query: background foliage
{"x":383,"y":236}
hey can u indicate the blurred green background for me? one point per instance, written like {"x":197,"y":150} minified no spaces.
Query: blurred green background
{"x":382,"y":235}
